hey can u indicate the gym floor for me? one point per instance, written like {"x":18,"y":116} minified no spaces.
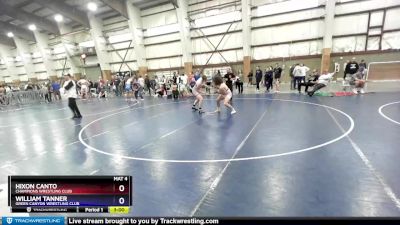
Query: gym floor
{"x":280,"y":155}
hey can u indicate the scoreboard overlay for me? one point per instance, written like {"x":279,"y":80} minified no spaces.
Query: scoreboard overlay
{"x":75,"y":194}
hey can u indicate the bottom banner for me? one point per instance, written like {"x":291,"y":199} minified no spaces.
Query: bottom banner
{"x":212,"y":221}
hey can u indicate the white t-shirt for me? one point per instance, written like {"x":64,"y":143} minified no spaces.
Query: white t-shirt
{"x":129,"y":81}
{"x":304,"y":70}
{"x":141,"y":81}
{"x":324,"y":78}
{"x":297,"y":71}
{"x":71,"y":93}
{"x":184,"y":79}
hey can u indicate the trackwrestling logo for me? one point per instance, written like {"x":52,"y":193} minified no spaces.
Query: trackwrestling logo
{"x":33,"y":220}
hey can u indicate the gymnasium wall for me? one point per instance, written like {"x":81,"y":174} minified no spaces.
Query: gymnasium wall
{"x":314,"y":62}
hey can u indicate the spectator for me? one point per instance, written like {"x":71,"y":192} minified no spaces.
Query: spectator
{"x":175,"y":92}
{"x":140,"y":81}
{"x":28,"y":87}
{"x":49,"y":90}
{"x":363,"y":67}
{"x":311,"y":81}
{"x":250,"y":76}
{"x":358,"y":81}
{"x":183,"y":81}
{"x":229,"y":80}
{"x":56,"y":90}
{"x":323,"y":80}
{"x":239,"y":84}
{"x":147,"y":83}
{"x":197,"y":75}
{"x":258,"y":78}
{"x":362,"y":64}
{"x":2,"y":95}
{"x":116,"y":84}
{"x":277,"y":77}
{"x":45,"y":92}
{"x":268,"y":78}
{"x":301,"y":73}
{"x":351,"y":68}
{"x":292,"y":81}
{"x":161,"y":91}
{"x":174,"y":78}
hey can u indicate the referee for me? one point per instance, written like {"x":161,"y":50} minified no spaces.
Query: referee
{"x":70,"y":92}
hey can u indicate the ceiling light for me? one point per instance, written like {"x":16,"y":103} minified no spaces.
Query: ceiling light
{"x":58,"y":17}
{"x":92,"y":6}
{"x":32,"y":27}
{"x":10,"y":34}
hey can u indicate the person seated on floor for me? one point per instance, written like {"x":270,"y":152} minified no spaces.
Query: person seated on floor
{"x":311,"y":81}
{"x":358,"y":81}
{"x":175,"y":92}
{"x":322,"y":81}
{"x":102,"y":94}
{"x":161,"y":91}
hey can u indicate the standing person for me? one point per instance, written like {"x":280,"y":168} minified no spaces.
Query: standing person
{"x":239,"y":84}
{"x":70,"y":91}
{"x":45,"y":93}
{"x":116,"y":83}
{"x":136,"y":88}
{"x":268,"y":78}
{"x":225,"y":94}
{"x":363,"y":67}
{"x":49,"y":89}
{"x":351,"y":68}
{"x":174,"y":78}
{"x":229,"y":80}
{"x":197,"y":75}
{"x":147,"y":83}
{"x":302,"y":72}
{"x":56,"y":90}
{"x":196,"y":90}
{"x":277,"y":77}
{"x":141,"y":87}
{"x":258,"y":78}
{"x":250,"y":76}
{"x":235,"y":78}
{"x":296,"y":74}
{"x":292,"y":81}
{"x":8,"y":92}
{"x":362,"y":64}
{"x":183,"y":81}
